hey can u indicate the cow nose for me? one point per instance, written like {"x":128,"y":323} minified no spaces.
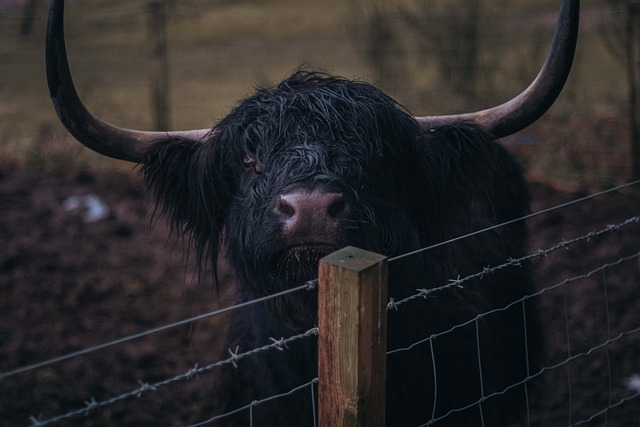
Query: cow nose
{"x":311,"y":210}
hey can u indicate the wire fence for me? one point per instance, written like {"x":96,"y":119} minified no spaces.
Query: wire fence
{"x":625,"y":267}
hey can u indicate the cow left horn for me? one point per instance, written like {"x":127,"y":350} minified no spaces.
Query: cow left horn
{"x":111,"y":141}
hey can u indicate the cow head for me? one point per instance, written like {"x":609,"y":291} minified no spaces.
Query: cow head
{"x":292,"y":174}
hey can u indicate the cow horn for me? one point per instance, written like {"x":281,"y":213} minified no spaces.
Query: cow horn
{"x":123,"y":144}
{"x":530,"y":105}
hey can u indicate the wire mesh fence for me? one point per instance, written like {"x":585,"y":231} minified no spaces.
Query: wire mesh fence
{"x":588,"y":286}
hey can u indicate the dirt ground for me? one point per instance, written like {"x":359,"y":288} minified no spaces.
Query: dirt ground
{"x":67,"y":284}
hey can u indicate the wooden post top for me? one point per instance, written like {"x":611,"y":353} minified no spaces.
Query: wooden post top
{"x":353,"y":258}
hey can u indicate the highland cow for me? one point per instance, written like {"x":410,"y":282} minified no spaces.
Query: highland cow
{"x":317,"y":163}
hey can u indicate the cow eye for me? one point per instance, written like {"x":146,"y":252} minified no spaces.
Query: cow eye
{"x":250,"y":164}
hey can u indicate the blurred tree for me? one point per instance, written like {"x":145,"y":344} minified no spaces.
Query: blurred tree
{"x":159,"y":13}
{"x":621,"y":34}
{"x":28,"y":18}
{"x":450,"y":28}
{"x":378,"y":38}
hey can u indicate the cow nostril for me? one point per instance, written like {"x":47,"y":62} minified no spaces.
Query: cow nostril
{"x":285,"y":208}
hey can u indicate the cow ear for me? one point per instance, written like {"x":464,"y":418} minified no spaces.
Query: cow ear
{"x":191,"y":188}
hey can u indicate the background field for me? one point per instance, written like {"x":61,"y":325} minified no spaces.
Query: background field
{"x":220,"y":50}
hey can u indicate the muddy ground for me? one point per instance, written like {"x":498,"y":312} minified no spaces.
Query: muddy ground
{"x":67,"y":284}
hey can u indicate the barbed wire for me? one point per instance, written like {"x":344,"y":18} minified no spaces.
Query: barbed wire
{"x":518,"y":301}
{"x":311,"y":284}
{"x":235,"y":356}
{"x":513,"y":262}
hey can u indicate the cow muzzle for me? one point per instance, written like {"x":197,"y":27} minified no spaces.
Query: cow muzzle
{"x":311,"y":217}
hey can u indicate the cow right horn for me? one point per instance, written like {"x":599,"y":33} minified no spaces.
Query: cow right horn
{"x":530,"y":105}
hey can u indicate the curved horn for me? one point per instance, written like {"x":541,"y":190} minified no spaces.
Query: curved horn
{"x":123,"y":144}
{"x":530,"y":105}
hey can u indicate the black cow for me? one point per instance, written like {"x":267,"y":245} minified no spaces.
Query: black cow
{"x":317,"y":163}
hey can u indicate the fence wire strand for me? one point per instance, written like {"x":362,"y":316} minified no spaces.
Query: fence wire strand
{"x":518,"y":301}
{"x":513,"y":221}
{"x":307,"y":286}
{"x":568,"y":335}
{"x":512,"y":262}
{"x":255,"y":403}
{"x":236,"y":356}
{"x":607,"y":350}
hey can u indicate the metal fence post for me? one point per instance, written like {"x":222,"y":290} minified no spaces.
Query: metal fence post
{"x":352,"y":324}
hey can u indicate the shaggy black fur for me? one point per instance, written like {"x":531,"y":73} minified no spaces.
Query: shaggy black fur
{"x":405,"y":189}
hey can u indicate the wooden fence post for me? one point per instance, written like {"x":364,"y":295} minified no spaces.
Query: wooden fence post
{"x":352,"y":341}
